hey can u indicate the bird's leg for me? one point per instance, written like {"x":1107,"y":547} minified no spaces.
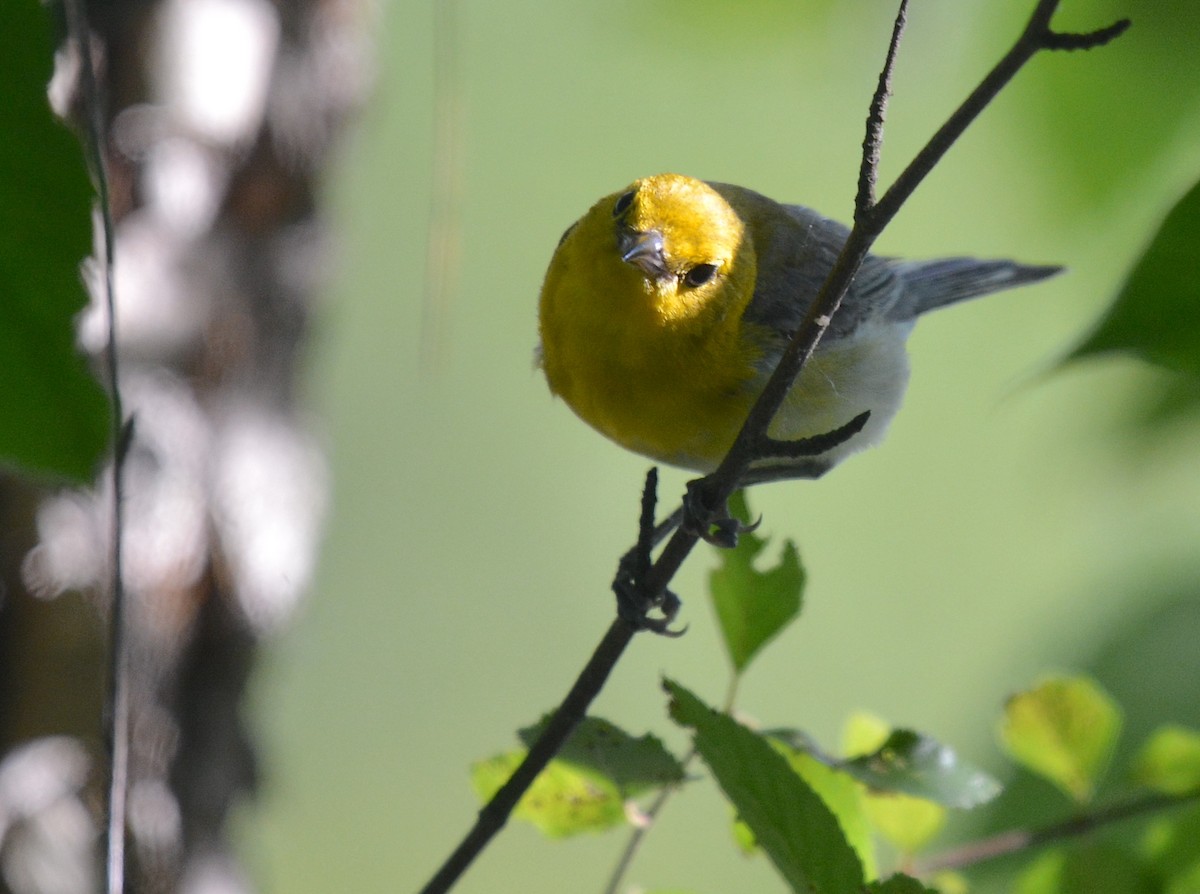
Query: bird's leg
{"x":714,"y":524}
{"x":710,"y":522}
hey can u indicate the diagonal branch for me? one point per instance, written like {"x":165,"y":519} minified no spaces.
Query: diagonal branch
{"x":714,"y":490}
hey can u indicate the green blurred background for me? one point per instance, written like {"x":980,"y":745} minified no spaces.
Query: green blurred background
{"x":1014,"y":521}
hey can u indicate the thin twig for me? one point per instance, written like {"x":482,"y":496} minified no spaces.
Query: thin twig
{"x":868,"y":172}
{"x":118,"y":726}
{"x":1019,"y":840}
{"x":638,"y":836}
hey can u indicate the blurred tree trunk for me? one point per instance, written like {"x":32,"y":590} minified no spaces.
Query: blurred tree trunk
{"x":222,"y":116}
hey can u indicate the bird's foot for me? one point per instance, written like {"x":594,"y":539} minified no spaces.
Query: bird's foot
{"x":635,"y":605}
{"x":711,"y":523}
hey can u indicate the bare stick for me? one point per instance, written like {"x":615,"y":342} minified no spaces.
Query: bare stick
{"x":118,"y":726}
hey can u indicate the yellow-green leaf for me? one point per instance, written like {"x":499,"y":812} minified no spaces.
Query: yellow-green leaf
{"x":907,"y":823}
{"x":1169,"y":762}
{"x":1064,"y":729}
{"x":564,"y":799}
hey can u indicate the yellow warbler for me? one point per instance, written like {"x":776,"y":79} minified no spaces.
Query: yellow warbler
{"x":667,"y":306}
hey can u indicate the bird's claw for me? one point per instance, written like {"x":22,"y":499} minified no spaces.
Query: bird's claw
{"x":635,"y":609}
{"x":710,"y":524}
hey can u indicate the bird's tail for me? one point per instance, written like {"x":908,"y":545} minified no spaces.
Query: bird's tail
{"x":933,"y":284}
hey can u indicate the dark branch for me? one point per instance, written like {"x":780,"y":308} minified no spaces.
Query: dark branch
{"x":495,"y":813}
{"x":1088,"y":41}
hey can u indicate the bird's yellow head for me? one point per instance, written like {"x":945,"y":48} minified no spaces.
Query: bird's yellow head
{"x":669,"y":246}
{"x":641,"y":317}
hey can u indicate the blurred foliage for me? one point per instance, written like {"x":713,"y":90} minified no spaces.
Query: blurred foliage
{"x":1114,"y":131}
{"x":1156,"y":315}
{"x":1064,"y":729}
{"x":55,"y":416}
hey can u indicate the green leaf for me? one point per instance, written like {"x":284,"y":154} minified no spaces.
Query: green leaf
{"x":1169,"y":762}
{"x":899,"y":884}
{"x":791,"y":823}
{"x":55,"y":418}
{"x":586,"y":787}
{"x":564,"y":799}
{"x":632,"y":764}
{"x":908,"y":824}
{"x":841,"y":794}
{"x":1172,"y":845}
{"x":753,"y":606}
{"x":919,"y":765}
{"x":1064,"y":730}
{"x":1157,"y":313}
{"x":1044,"y":875}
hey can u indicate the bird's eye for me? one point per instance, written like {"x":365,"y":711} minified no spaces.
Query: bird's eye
{"x":699,"y":275}
{"x":623,"y":203}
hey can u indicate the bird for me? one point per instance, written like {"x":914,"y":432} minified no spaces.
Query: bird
{"x":667,"y":306}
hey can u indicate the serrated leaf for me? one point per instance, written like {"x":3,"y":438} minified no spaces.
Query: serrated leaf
{"x":564,"y":799}
{"x":753,"y":606}
{"x":919,"y":765}
{"x":55,"y":415}
{"x":791,"y":823}
{"x":1156,"y":315}
{"x":841,"y":794}
{"x":1169,"y":762}
{"x":1064,"y":730}
{"x":634,"y":764}
{"x":899,"y":884}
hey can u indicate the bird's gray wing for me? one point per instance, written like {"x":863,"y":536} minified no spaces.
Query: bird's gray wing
{"x":792,"y":266}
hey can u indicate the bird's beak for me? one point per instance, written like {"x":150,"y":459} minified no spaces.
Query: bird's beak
{"x":644,"y":250}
